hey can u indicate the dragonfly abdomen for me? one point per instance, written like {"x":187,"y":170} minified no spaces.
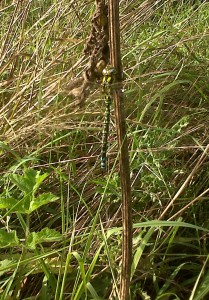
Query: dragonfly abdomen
{"x":105,"y":134}
{"x":108,"y":78}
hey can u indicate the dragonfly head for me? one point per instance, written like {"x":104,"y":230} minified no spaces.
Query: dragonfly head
{"x":100,"y":66}
{"x":109,"y":71}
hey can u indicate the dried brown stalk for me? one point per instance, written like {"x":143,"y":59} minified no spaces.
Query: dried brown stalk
{"x":115,"y":58}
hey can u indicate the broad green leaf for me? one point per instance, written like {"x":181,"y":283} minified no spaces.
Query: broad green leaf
{"x":8,"y":239}
{"x":42,"y":200}
{"x":8,"y":203}
{"x":40,"y":179}
{"x":14,"y":205}
{"x":4,"y":264}
{"x":28,"y":204}
{"x":29,"y":182}
{"x":25,"y":182}
{"x":45,"y":235}
{"x":24,"y":205}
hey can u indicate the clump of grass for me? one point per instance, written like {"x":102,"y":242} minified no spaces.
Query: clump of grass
{"x":165,"y":58}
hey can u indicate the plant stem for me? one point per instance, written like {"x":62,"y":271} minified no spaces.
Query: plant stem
{"x":115,"y":58}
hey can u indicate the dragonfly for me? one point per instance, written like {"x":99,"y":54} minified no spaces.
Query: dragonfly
{"x":81,"y":87}
{"x":108,"y":79}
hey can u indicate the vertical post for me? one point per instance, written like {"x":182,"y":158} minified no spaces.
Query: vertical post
{"x":115,"y":59}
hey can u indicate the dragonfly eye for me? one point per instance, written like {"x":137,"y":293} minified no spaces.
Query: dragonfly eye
{"x":100,"y":66}
{"x":109,"y":71}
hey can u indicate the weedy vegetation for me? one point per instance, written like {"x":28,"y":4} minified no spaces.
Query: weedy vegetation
{"x":60,"y":217}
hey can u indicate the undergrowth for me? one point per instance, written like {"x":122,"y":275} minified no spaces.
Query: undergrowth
{"x":60,"y":234}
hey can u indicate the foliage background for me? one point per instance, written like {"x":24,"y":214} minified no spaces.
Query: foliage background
{"x":165,"y":59}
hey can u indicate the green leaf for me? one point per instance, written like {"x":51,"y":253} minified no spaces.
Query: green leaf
{"x":26,"y":205}
{"x":39,"y":179}
{"x":6,"y":148}
{"x":8,"y":239}
{"x":169,"y":281}
{"x":29,"y":182}
{"x":45,"y":235}
{"x":140,"y":250}
{"x":8,"y":203}
{"x":203,"y":289}
{"x":4,"y":264}
{"x":93,"y":292}
{"x":24,"y":182}
{"x":12,"y":204}
{"x":42,"y":200}
{"x":157,"y":223}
